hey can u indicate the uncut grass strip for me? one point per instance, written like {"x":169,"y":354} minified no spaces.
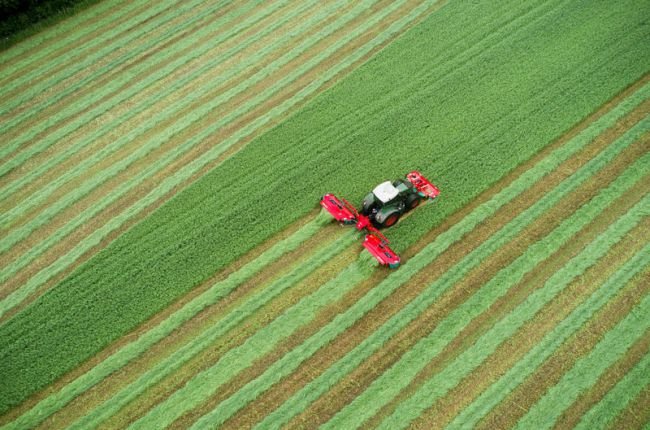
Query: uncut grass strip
{"x":126,"y":86}
{"x":152,"y":19}
{"x":354,"y":382}
{"x":439,"y":384}
{"x":481,"y":406}
{"x":586,"y":371}
{"x":437,"y":65}
{"x":367,"y":402}
{"x":167,"y":134}
{"x":62,"y":38}
{"x":128,"y":352}
{"x":192,"y":167}
{"x":619,"y":397}
{"x":236,"y":361}
{"x":148,"y":379}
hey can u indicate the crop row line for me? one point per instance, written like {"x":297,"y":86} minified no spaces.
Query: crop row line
{"x":153,"y":20}
{"x":389,"y":384}
{"x":236,"y":316}
{"x":482,"y":405}
{"x":439,"y":384}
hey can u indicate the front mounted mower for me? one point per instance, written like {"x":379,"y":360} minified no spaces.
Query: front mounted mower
{"x":380,"y":209}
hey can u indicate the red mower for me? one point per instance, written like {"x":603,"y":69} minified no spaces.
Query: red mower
{"x":382,"y":208}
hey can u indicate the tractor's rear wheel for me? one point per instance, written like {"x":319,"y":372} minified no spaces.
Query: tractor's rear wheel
{"x":390,"y":221}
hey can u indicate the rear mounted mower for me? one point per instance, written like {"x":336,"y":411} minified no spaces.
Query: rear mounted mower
{"x":382,"y":208}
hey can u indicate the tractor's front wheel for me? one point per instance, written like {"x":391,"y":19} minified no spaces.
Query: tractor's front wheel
{"x":413,"y":201}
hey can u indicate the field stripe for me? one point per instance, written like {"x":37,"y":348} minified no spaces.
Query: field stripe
{"x":390,"y":385}
{"x":471,"y":415}
{"x":214,"y":152}
{"x":183,"y":354}
{"x":636,"y":414}
{"x":166,"y":134}
{"x":60,"y":36}
{"x":37,"y":250}
{"x":31,"y":84}
{"x":620,"y":396}
{"x":113,"y":93}
{"x":587,"y":370}
{"x":355,"y":382}
{"x":439,"y":384}
{"x":313,"y":390}
{"x":132,"y":350}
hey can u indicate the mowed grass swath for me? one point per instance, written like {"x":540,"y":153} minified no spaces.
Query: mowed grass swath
{"x":227,"y":308}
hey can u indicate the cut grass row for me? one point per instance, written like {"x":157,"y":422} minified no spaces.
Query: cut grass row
{"x":208,"y":337}
{"x":188,"y":170}
{"x":439,"y":384}
{"x":447,"y":330}
{"x":481,"y":406}
{"x":337,"y":371}
{"x":132,"y":350}
{"x":296,"y":201}
{"x":150,"y":20}
{"x":89,"y":105}
{"x":588,"y":369}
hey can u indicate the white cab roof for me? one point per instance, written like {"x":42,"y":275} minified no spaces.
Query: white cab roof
{"x":385,"y":192}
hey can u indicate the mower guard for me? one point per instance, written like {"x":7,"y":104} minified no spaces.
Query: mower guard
{"x":423,"y":185}
{"x":340,"y":209}
{"x":380,"y":250}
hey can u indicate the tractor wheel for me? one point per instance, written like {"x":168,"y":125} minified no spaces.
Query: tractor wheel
{"x":413,"y":201}
{"x":390,"y":220}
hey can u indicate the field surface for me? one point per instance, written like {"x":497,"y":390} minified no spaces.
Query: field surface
{"x":164,"y":264}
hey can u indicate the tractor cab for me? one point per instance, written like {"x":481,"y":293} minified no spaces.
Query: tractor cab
{"x":388,"y":201}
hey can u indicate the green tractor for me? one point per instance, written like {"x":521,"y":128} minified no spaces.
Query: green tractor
{"x":389,"y":201}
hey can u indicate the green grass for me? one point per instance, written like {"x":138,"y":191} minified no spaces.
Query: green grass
{"x":589,"y":368}
{"x":338,"y":370}
{"x":452,"y":374}
{"x":134,"y":349}
{"x":388,"y":385}
{"x":473,"y":118}
{"x":472,"y":414}
{"x":179,"y":357}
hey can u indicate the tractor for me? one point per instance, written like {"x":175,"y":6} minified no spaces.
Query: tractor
{"x":382,"y":208}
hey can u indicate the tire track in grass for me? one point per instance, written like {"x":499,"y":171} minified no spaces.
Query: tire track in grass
{"x":587,"y":369}
{"x":550,"y":319}
{"x":442,"y":382}
{"x":78,"y":122}
{"x":615,"y":389}
{"x":387,"y":384}
{"x":636,"y":414}
{"x":180,"y":356}
{"x":541,"y":167}
{"x":231,"y":139}
{"x":163,"y":324}
{"x":354,"y":383}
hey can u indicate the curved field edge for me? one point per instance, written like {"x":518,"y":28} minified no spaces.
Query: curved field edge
{"x":345,"y":182}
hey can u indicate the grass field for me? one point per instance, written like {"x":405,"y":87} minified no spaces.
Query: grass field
{"x":164,"y":264}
